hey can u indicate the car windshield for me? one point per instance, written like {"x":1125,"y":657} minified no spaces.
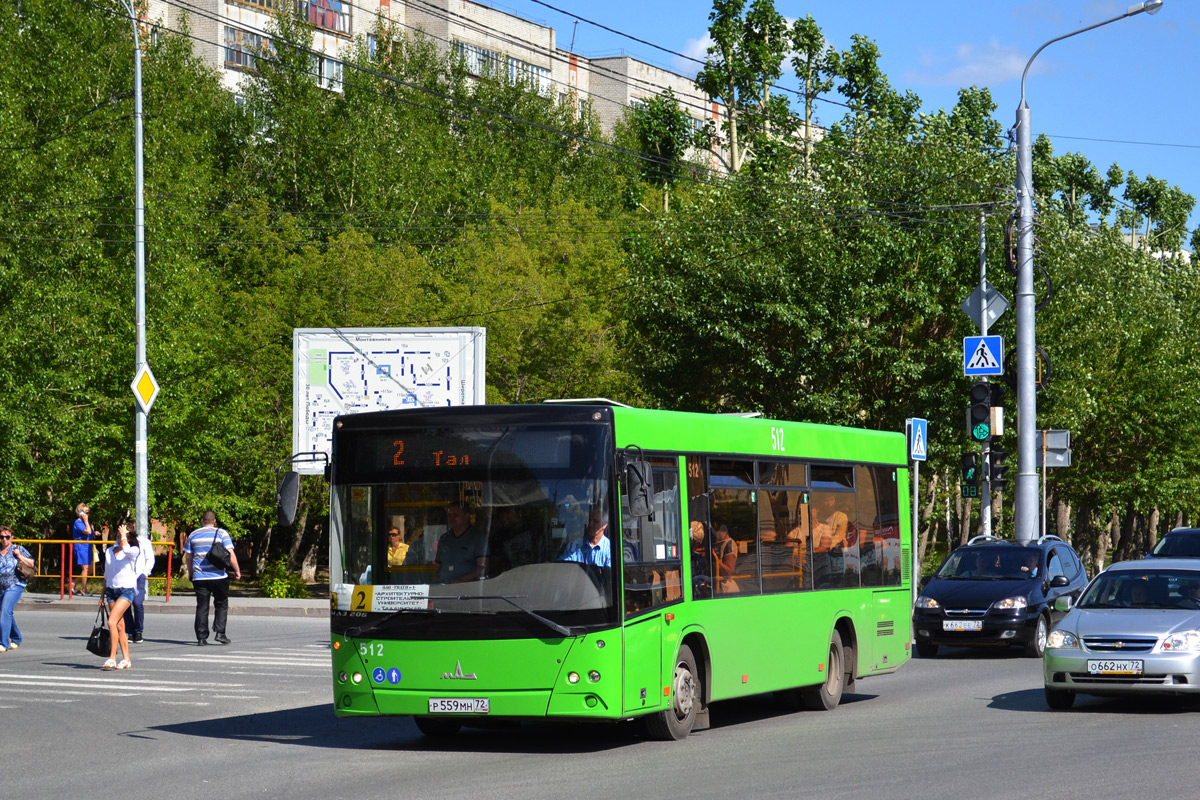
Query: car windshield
{"x":1178,"y":546}
{"x":991,"y":564}
{"x":1144,"y":589}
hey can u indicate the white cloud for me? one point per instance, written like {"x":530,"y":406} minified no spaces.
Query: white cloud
{"x":970,"y":64}
{"x":697,"y":49}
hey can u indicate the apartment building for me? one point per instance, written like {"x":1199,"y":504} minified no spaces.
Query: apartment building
{"x":228,"y":33}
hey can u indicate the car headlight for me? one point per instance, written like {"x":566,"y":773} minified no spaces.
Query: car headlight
{"x":1060,"y":639}
{"x":1185,"y":642}
{"x":927,"y":602}
{"x":1010,"y":603}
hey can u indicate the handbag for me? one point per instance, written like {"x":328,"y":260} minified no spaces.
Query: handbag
{"x":26,"y":573}
{"x":218,"y":555}
{"x":100,"y":642}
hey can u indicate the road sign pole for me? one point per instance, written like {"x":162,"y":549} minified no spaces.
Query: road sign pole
{"x":985,"y":486}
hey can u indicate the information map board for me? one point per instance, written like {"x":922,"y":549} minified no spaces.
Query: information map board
{"x":351,"y":370}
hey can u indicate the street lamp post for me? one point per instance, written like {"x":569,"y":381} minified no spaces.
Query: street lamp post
{"x":1026,"y":512}
{"x":139,"y":222}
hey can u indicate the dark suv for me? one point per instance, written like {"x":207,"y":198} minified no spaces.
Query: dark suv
{"x":992,"y":591}
{"x":1179,"y":543}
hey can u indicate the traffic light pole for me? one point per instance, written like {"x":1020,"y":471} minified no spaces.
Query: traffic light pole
{"x":985,"y":486}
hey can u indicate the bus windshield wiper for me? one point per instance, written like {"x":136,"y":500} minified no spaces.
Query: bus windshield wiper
{"x":549,"y":623}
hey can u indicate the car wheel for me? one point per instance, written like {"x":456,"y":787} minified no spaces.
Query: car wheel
{"x":676,"y":722}
{"x":1059,"y":699}
{"x":926,"y":649}
{"x":827,"y":696}
{"x":1036,"y":647}
{"x":435,"y":727}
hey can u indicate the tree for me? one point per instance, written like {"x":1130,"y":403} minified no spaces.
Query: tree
{"x":744,"y":60}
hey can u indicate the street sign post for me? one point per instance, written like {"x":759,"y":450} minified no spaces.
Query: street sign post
{"x":145,"y":388}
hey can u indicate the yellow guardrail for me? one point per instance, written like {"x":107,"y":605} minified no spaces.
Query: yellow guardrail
{"x":66,"y":585}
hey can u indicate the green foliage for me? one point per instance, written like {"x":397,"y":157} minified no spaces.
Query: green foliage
{"x":276,"y":581}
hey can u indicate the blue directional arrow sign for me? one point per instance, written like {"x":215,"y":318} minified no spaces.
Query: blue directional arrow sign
{"x":983,"y":355}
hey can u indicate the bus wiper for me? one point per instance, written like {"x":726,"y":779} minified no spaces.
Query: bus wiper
{"x":355,"y":633}
{"x":549,"y":623}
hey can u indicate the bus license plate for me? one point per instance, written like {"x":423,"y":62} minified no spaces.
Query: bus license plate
{"x":1115,"y":667}
{"x":962,"y":625}
{"x":459,"y":705}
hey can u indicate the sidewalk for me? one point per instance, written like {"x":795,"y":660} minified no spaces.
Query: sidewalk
{"x":185,"y":603}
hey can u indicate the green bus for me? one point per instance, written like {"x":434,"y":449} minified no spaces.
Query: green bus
{"x":591,"y":561}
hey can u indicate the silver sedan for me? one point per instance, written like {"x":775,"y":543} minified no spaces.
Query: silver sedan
{"x":1136,"y":630}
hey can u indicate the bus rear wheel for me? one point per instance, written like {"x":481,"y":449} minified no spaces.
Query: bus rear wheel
{"x":676,"y":722}
{"x":435,"y":727}
{"x":827,"y":696}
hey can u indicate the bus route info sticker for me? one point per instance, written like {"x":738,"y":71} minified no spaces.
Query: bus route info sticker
{"x":351,"y":597}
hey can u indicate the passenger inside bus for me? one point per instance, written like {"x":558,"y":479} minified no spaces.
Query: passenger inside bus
{"x":397,"y":550}
{"x":724,"y":560}
{"x":462,"y":551}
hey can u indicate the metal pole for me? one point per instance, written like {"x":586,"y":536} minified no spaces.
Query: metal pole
{"x":985,"y":485}
{"x":916,"y":550}
{"x":1025,"y":517}
{"x":141,"y":467}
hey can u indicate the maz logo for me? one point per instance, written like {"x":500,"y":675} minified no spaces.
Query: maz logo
{"x":458,"y":674}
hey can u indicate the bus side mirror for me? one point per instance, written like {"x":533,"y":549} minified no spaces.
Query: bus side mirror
{"x":287,"y":497}
{"x":638,"y":489}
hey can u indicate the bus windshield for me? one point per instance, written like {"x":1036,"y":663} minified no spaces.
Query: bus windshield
{"x":485,"y":531}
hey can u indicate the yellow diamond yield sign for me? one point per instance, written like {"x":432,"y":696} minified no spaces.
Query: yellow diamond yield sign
{"x":145,"y":388}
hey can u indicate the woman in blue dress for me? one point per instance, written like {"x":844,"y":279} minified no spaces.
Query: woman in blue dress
{"x":12,"y":585}
{"x":84,"y":554}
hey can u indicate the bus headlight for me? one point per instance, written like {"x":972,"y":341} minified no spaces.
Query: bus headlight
{"x":572,"y":677}
{"x":594,"y":676}
{"x":356,"y":677}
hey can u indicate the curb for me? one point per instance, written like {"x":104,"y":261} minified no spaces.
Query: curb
{"x":185,"y":604}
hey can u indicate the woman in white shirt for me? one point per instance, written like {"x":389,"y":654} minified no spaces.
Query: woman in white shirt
{"x":120,"y":582}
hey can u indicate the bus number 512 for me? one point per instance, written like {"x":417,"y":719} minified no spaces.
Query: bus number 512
{"x":777,"y":440}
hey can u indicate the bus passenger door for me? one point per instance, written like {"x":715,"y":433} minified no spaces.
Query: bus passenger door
{"x":652,"y":571}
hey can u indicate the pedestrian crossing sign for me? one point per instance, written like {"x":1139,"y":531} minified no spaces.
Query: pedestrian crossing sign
{"x":918,"y":439}
{"x":983,"y":355}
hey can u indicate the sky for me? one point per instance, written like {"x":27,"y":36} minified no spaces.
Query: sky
{"x":1126,"y":92}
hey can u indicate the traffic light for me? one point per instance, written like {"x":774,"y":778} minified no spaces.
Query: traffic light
{"x":997,"y":469}
{"x":970,"y":468}
{"x":979,"y":415}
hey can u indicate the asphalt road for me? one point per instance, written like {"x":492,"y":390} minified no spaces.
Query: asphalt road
{"x":254,"y":719}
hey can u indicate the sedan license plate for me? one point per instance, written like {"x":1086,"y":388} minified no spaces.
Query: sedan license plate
{"x":459,"y":705}
{"x":962,"y":625}
{"x":1115,"y":667}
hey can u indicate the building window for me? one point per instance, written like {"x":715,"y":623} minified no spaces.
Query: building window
{"x":479,"y":61}
{"x":372,"y":46}
{"x":328,"y":72}
{"x":243,"y":47}
{"x":637,"y":103}
{"x":538,"y":77}
{"x":266,"y":6}
{"x":328,"y":15}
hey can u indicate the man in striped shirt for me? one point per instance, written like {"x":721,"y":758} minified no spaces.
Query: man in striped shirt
{"x":209,"y":579}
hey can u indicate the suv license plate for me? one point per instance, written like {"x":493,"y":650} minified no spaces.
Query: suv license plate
{"x":962,"y":625}
{"x":459,"y":705}
{"x":1115,"y":667}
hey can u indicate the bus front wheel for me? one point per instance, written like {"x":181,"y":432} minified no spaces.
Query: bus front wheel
{"x":676,"y":722}
{"x":827,"y":696}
